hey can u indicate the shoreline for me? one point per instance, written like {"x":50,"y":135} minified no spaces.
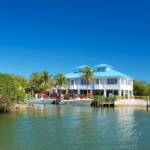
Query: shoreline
{"x":118,"y":103}
{"x":18,"y":107}
{"x":131,"y":102}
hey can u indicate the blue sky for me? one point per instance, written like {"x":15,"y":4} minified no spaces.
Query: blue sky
{"x":59,"y":35}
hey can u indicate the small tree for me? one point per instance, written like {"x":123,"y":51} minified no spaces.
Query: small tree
{"x":141,"y":88}
{"x":11,"y":88}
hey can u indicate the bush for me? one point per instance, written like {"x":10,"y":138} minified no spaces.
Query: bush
{"x":11,"y":89}
{"x":106,"y":99}
{"x":141,"y":88}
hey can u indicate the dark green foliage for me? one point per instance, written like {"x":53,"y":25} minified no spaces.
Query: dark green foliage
{"x":38,"y":82}
{"x":105,"y":99}
{"x":11,"y":88}
{"x":14,"y":88}
{"x":60,"y":80}
{"x":141,"y":88}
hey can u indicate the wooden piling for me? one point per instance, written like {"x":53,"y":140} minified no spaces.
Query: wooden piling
{"x":147,"y":106}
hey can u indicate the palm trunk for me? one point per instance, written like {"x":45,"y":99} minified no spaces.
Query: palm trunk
{"x":56,"y":95}
{"x":91,"y":90}
{"x":32,"y":93}
{"x":60,"y":91}
{"x":87,"y":90}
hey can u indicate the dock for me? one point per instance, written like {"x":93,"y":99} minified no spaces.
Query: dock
{"x":102,"y":104}
{"x":103,"y":101}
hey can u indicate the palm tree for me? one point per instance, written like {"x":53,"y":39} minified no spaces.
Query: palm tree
{"x":88,"y":76}
{"x":60,"y":81}
{"x":46,"y":81}
{"x":39,"y":82}
{"x":34,"y":83}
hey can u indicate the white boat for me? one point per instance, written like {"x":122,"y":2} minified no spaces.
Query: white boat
{"x":41,"y":101}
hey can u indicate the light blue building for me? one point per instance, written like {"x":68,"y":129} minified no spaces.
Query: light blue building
{"x":107,"y":82}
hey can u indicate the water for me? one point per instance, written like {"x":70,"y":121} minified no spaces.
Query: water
{"x":75,"y":128}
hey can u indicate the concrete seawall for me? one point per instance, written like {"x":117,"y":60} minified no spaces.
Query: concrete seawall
{"x":78,"y":102}
{"x":131,"y":102}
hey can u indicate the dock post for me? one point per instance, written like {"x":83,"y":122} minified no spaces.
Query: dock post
{"x":147,"y":102}
{"x":99,"y":102}
{"x":44,"y":102}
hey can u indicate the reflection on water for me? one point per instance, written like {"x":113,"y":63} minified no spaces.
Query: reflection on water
{"x":75,"y":128}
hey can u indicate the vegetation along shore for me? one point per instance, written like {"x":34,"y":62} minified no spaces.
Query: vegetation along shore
{"x":16,"y":90}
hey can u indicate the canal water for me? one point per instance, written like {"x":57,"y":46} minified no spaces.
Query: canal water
{"x":75,"y":128}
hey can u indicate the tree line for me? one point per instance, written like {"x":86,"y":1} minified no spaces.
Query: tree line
{"x":141,"y":88}
{"x":17,"y":88}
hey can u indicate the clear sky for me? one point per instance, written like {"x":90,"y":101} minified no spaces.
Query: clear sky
{"x":59,"y":35}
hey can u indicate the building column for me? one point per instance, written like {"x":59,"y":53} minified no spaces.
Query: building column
{"x":67,"y":91}
{"x":120,"y":94}
{"x":91,"y":91}
{"x":132,"y":93}
{"x":56,"y":90}
{"x":105,"y":94}
{"x":74,"y":83}
{"x":124,"y":93}
{"x":129,"y":95}
{"x":78,"y":91}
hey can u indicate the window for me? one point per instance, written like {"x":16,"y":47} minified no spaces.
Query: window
{"x":80,"y":70}
{"x":83,"y":82}
{"x":101,"y":69}
{"x":72,"y":82}
{"x":112,"y":81}
{"x":122,"y":81}
{"x":97,"y":81}
{"x":129,"y":82}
